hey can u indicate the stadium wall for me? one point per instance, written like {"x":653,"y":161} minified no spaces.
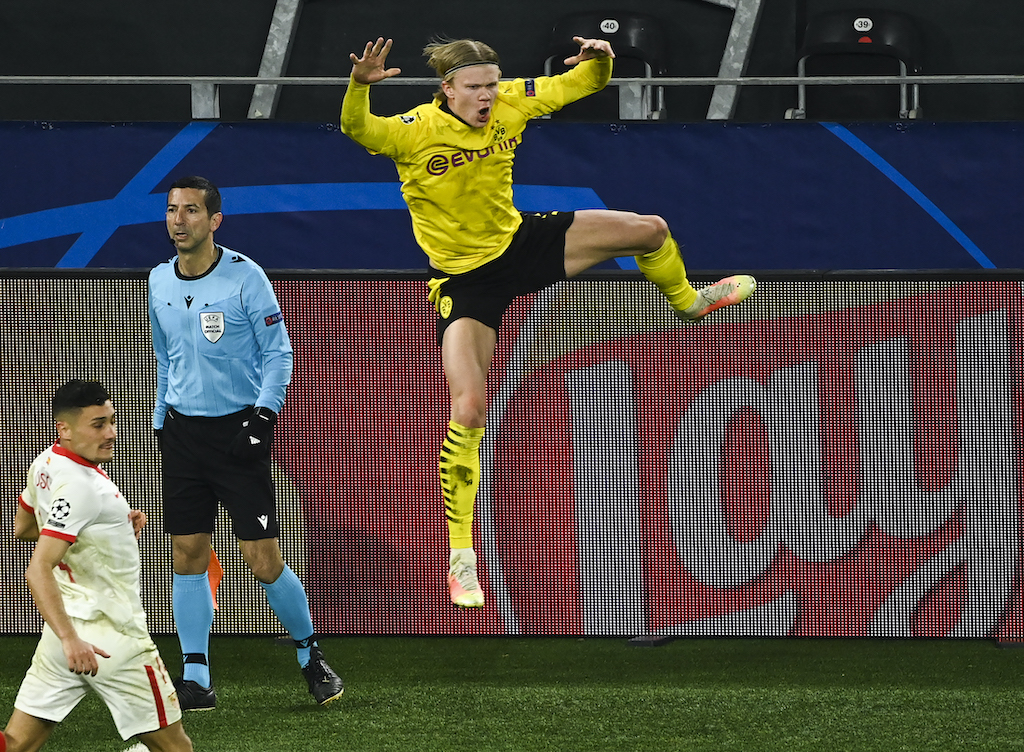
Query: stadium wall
{"x":111,"y":37}
{"x":841,"y":456}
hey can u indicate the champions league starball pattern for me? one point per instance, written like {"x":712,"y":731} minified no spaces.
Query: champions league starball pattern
{"x":60,"y":510}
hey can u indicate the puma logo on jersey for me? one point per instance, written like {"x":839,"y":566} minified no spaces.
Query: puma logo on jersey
{"x":263,"y":520}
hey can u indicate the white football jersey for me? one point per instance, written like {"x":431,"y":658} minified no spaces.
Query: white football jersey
{"x":74,"y":500}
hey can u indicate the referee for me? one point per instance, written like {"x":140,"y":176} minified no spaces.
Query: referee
{"x":224,"y":362}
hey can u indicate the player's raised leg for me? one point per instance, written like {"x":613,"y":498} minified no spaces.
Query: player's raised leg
{"x":597,"y":235}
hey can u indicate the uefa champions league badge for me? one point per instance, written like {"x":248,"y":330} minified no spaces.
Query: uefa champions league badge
{"x":212,"y":323}
{"x":60,"y":510}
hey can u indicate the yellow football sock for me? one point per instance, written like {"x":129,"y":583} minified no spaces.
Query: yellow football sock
{"x":664,"y":267}
{"x":459,"y":470}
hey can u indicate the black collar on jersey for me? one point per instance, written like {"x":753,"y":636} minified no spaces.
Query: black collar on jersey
{"x":179,"y":275}
{"x":446,"y":108}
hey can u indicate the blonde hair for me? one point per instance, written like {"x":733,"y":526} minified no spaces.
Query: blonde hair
{"x":446,"y":56}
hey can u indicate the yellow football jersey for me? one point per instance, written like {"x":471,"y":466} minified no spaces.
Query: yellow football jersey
{"x":457,"y":179}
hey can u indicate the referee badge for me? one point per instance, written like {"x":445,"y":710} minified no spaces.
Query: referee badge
{"x":212,"y":323}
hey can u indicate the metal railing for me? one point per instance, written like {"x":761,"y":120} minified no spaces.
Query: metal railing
{"x":206,"y":89}
{"x":432,"y":81}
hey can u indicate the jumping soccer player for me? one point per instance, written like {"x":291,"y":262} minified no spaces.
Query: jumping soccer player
{"x":454,"y":158}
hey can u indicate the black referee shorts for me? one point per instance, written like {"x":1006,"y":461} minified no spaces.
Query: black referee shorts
{"x":199,"y":472}
{"x":534,"y":260}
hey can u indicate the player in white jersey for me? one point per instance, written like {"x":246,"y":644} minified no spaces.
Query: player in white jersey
{"x":84,"y":578}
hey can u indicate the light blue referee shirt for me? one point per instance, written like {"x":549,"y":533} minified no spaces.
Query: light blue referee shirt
{"x":219,"y":339}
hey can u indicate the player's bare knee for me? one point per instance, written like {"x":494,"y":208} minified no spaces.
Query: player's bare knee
{"x":170,"y":739}
{"x":657,"y":231}
{"x":470,"y":411}
{"x":267,"y":571}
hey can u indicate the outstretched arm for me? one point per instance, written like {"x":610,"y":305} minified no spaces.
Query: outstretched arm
{"x":589,"y":72}
{"x":369,"y":69}
{"x":357,"y":122}
{"x":590,"y":49}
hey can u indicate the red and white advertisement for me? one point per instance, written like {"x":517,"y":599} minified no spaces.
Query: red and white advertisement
{"x":831,"y":459}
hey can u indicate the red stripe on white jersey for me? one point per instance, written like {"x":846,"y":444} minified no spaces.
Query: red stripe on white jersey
{"x":62,"y":536}
{"x":158,"y":698}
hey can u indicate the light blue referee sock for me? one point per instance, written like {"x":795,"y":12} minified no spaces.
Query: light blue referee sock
{"x":192,"y":603}
{"x":288,"y":599}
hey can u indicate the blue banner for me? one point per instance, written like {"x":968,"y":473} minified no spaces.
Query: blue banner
{"x":785,"y":196}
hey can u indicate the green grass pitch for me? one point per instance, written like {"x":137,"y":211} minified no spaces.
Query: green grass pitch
{"x":487,"y":693}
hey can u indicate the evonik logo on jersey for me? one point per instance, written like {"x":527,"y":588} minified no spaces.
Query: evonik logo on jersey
{"x":439,"y":164}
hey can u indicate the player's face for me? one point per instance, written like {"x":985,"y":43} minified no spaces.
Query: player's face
{"x":189,"y":224}
{"x":471,"y":93}
{"x":90,"y":433}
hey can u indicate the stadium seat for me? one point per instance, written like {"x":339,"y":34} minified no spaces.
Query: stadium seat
{"x":856,"y":38}
{"x":639,"y":44}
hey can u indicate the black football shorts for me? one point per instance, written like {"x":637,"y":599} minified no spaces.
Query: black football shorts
{"x":534,"y":260}
{"x":199,"y":472}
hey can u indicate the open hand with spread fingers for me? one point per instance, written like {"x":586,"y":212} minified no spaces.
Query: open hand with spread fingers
{"x":369,"y":69}
{"x":590,"y":49}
